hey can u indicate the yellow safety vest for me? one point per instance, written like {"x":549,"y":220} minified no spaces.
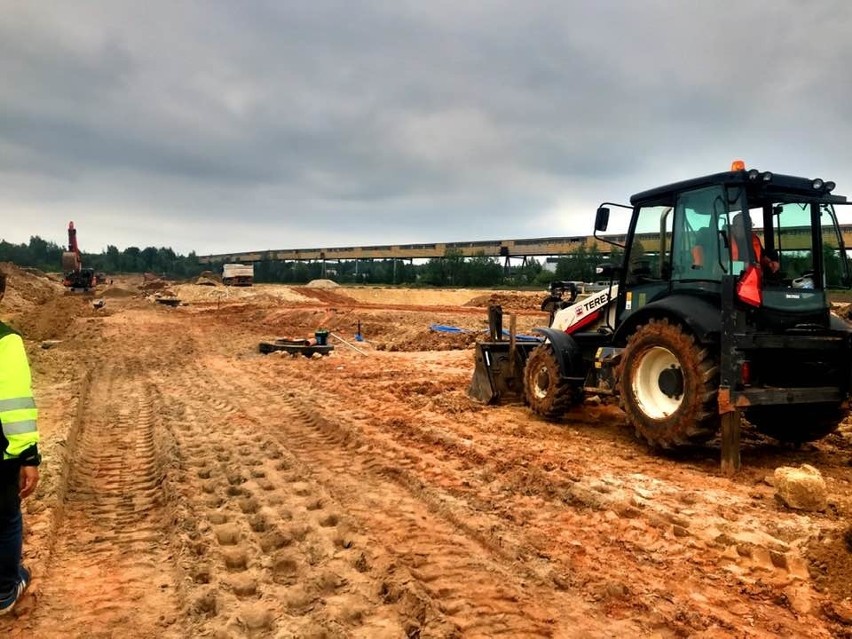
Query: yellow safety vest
{"x":18,"y":413}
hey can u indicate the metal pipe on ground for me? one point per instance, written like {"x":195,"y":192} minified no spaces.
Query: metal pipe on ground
{"x":354,"y":348}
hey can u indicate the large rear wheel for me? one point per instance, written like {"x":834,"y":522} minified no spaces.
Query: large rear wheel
{"x":545,"y":390}
{"x":798,"y":423}
{"x":668,"y":385}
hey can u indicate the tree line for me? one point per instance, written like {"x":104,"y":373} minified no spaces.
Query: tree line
{"x":452,"y":270}
{"x":47,"y":256}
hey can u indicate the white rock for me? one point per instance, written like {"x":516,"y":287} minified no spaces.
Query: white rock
{"x":801,"y":488}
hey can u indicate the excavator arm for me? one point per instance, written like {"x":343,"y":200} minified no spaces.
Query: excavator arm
{"x":71,"y":262}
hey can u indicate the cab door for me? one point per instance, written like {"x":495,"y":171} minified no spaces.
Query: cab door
{"x":699,"y":249}
{"x":647,"y":265}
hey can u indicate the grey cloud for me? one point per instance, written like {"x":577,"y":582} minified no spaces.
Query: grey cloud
{"x":403,"y":120}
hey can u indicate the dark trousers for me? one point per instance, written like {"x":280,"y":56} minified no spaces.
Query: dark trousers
{"x":11,"y":525}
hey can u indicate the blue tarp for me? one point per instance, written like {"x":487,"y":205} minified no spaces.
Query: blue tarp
{"x":455,"y":330}
{"x":443,"y":328}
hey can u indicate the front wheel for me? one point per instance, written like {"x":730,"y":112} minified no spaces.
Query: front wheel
{"x":545,"y":390}
{"x":668,"y":385}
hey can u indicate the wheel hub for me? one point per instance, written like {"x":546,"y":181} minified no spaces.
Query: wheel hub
{"x":657,"y":383}
{"x":671,"y":382}
{"x":542,"y":382}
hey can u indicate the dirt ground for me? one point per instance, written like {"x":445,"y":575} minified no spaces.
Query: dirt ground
{"x":193,"y":487}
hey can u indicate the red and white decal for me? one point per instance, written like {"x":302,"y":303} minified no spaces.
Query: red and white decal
{"x":585,"y":314}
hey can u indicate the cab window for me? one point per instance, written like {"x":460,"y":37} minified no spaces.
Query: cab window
{"x":648,"y":253}
{"x":696,"y":251}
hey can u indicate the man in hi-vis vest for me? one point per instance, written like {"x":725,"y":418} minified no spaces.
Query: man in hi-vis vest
{"x":20,"y":459}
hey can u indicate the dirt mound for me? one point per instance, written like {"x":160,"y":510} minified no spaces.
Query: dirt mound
{"x":381,"y":331}
{"x":52,"y":319}
{"x":208,"y":278}
{"x":257,"y":294}
{"x":26,"y":289}
{"x":510,"y":301}
{"x":324,"y":295}
{"x":385,"y":295}
{"x":153,"y":285}
{"x":117,"y":291}
{"x":429,"y":340}
{"x":322,"y":284}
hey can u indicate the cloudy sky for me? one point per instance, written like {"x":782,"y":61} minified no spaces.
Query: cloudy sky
{"x":231,"y":126}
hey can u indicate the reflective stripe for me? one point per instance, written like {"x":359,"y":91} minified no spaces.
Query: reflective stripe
{"x":16,"y":403}
{"x":19,"y":428}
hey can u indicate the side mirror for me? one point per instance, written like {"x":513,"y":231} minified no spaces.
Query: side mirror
{"x":602,"y":219}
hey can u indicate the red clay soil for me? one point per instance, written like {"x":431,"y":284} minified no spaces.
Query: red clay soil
{"x":194,"y":487}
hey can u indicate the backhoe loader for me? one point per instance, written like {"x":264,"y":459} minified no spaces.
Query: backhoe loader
{"x":695,"y":328}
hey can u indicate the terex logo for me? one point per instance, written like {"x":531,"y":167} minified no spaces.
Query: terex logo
{"x":596,"y":302}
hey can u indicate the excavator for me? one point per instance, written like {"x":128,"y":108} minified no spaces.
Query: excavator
{"x":76,"y":278}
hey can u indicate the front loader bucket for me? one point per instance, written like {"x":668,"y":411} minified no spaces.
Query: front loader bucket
{"x":498,"y":372}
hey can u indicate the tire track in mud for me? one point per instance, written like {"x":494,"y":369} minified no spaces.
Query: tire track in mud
{"x":298,"y":519}
{"x":451,"y":568}
{"x":267,"y":547}
{"x":541,"y":502}
{"x":110,"y":569}
{"x":434,"y":578}
{"x":453,"y":561}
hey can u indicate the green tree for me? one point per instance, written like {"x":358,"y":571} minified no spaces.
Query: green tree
{"x":480,"y":271}
{"x":112,"y":260}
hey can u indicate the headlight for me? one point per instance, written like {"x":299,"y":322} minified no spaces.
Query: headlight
{"x":753,"y":174}
{"x":817,"y":184}
{"x":829,"y":187}
{"x":766,"y":176}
